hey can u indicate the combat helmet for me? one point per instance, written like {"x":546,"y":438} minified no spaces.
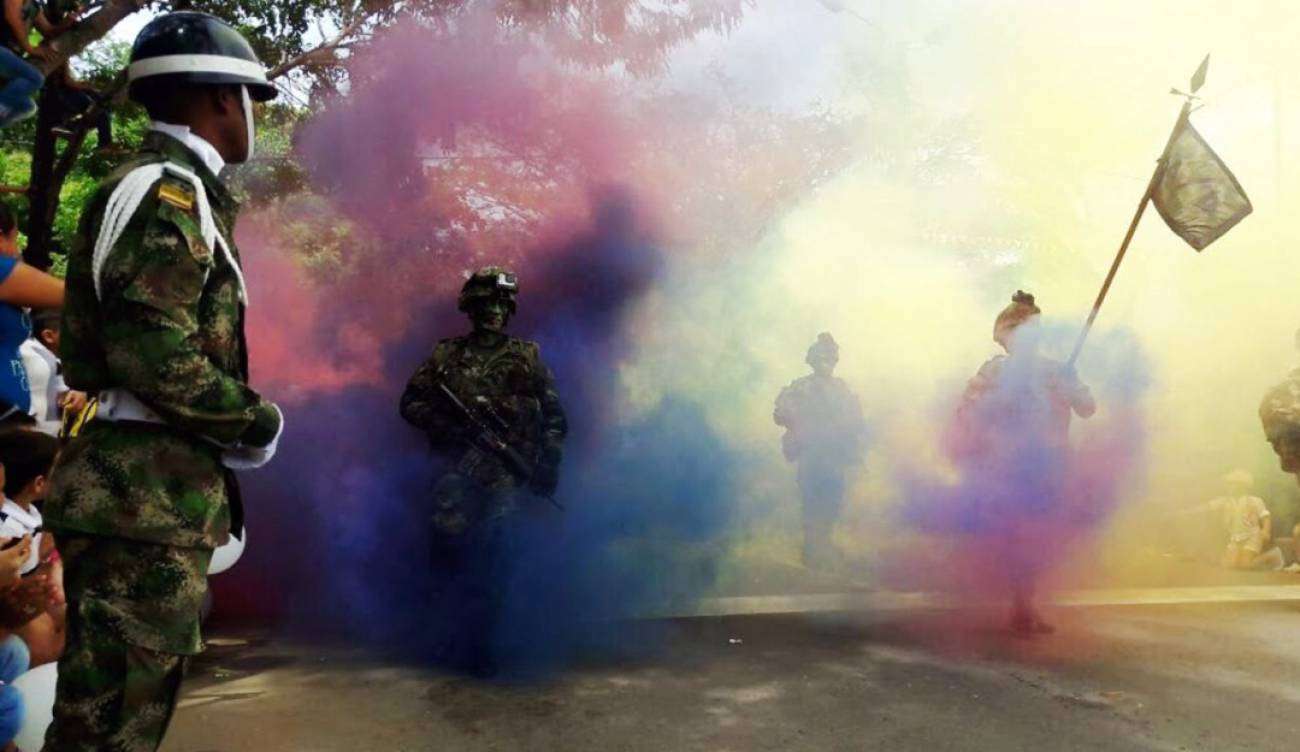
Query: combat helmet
{"x":825,"y":346}
{"x":196,"y":48}
{"x":488,"y":282}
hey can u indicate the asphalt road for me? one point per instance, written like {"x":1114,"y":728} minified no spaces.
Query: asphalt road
{"x":1190,"y":677}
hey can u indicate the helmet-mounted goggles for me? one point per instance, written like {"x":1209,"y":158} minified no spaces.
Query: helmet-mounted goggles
{"x":507,"y":282}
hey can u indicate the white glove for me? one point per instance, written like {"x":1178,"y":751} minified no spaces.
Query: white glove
{"x":250,"y":458}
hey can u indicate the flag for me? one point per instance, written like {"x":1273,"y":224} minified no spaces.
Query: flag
{"x":1196,"y":194}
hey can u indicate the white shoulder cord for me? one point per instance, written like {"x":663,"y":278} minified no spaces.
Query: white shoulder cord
{"x":126,"y":199}
{"x":120,"y":404}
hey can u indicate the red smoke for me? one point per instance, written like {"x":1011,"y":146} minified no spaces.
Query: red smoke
{"x":450,"y":152}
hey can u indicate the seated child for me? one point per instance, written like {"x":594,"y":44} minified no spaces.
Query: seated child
{"x":34,"y":608}
{"x":1249,"y":526}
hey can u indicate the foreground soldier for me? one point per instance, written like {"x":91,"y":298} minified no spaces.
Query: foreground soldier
{"x":1280,"y":414}
{"x":489,"y":407}
{"x":824,"y":434}
{"x":154,"y":325}
{"x":1015,"y":442}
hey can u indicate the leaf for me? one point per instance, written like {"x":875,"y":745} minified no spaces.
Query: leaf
{"x":1198,"y":78}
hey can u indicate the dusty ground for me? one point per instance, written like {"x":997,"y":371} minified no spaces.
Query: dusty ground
{"x":1201,"y":677}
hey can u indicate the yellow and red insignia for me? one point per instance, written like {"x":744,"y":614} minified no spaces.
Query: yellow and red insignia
{"x":177,"y":197}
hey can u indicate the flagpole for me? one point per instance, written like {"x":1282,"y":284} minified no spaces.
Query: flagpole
{"x":1128,"y":236}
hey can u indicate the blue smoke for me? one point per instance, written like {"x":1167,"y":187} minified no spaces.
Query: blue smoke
{"x":341,"y":520}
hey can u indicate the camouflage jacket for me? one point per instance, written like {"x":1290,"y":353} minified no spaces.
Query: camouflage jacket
{"x":168,"y":327}
{"x":509,"y":389}
{"x":1280,"y":410}
{"x":823,"y":421}
{"x":1011,"y":401}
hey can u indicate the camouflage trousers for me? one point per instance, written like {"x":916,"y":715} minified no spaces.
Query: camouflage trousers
{"x":133,"y":620}
{"x":822,"y":486}
{"x":473,"y":541}
{"x":462,"y":504}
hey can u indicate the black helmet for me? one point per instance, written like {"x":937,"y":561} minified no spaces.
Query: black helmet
{"x":489,"y":282}
{"x":200,"y":49}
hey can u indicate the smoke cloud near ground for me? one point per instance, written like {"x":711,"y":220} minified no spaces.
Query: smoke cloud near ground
{"x":351,"y":488}
{"x":993,"y":150}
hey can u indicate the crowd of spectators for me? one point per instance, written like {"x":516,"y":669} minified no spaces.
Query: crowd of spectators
{"x":34,"y":402}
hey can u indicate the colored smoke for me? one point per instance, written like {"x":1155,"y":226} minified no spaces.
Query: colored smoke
{"x":1019,"y":498}
{"x":675,"y":272}
{"x":350,"y":490}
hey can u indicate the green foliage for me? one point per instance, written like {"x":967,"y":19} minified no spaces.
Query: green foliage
{"x":59,"y":265}
{"x":628,"y":35}
{"x":315,"y":234}
{"x":272,"y":173}
{"x":14,"y":167}
{"x":100,"y":63}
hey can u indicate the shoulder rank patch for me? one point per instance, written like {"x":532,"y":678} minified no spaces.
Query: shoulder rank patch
{"x":177,"y":196}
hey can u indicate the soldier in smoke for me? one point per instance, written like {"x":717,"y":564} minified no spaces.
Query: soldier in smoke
{"x":1012,"y":440}
{"x":825,"y":434}
{"x":1280,"y":414}
{"x":489,"y":407}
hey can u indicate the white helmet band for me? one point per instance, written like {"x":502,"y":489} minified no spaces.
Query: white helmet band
{"x":169,"y":64}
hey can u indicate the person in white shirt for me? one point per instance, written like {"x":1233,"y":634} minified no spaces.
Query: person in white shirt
{"x":34,"y":610}
{"x":51,"y":398}
{"x":1248,"y":524}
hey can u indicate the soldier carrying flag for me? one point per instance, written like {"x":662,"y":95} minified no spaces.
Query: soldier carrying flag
{"x":1014,"y":421}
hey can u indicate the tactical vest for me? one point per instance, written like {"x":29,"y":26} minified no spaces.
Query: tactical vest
{"x":501,"y":385}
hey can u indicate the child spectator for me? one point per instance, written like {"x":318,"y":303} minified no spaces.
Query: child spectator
{"x":34,"y":609}
{"x":1246,"y":521}
{"x":51,"y":399}
{"x":15,"y":658}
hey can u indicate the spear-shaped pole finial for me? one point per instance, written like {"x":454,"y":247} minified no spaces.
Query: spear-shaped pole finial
{"x":1198,"y":78}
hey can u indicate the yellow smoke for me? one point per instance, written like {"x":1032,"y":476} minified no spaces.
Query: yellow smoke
{"x":1068,"y":106}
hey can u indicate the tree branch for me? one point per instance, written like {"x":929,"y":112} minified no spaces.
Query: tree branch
{"x":87,"y":31}
{"x":321,"y":53}
{"x":68,"y":159}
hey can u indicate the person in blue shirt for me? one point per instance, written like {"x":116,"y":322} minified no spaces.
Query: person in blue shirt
{"x":21,"y":287}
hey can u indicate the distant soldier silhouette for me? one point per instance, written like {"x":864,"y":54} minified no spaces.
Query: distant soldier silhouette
{"x":825,"y":435}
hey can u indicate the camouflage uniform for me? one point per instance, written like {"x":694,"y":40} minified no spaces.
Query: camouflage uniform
{"x":1280,"y":415}
{"x":479,"y":499}
{"x":138,"y":506}
{"x":825,"y":434}
{"x":1025,"y":396}
{"x":512,"y":392}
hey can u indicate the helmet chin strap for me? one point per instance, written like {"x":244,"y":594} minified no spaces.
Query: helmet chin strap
{"x":248,"y":122}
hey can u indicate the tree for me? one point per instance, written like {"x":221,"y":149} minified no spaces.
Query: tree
{"x":309,"y":41}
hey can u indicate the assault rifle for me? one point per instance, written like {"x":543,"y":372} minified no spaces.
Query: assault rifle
{"x":490,"y":440}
